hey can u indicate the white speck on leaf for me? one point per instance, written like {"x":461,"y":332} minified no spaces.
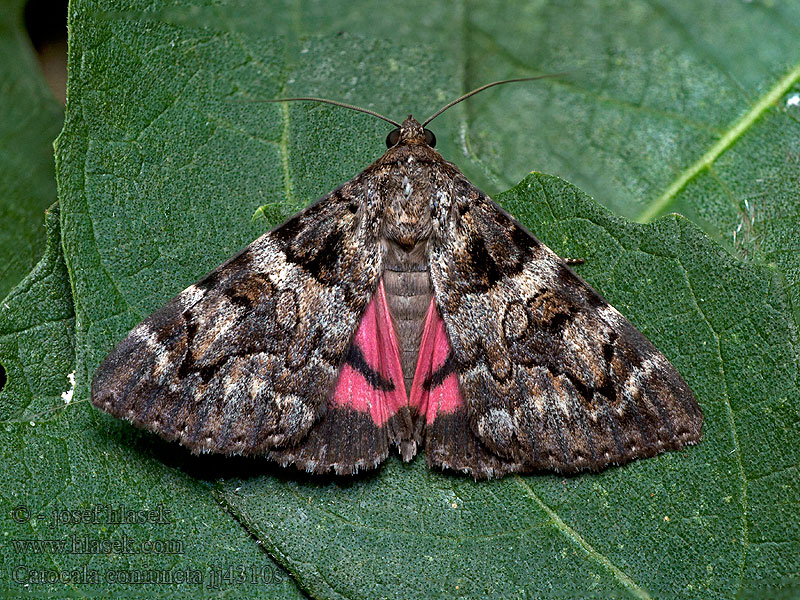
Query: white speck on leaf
{"x":67,"y":396}
{"x":794,"y":100}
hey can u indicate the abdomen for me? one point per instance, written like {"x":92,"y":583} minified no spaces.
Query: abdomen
{"x":407,"y":283}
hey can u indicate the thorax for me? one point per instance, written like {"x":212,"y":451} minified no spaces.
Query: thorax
{"x":406,"y":189}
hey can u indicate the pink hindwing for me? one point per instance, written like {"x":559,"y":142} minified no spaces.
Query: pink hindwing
{"x":371,"y":380}
{"x":435,"y":389}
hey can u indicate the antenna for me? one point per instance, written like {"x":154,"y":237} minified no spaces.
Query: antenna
{"x":335,"y":103}
{"x":395,"y":123}
{"x":485,"y":87}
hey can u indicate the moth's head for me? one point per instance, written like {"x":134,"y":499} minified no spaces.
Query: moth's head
{"x":410,"y":133}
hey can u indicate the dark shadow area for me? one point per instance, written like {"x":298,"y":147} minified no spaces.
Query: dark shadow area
{"x":2,"y":377}
{"x":216,"y":467}
{"x":46,"y":24}
{"x":213,"y":467}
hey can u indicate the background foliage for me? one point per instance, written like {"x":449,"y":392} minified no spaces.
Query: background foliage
{"x":165,"y":167}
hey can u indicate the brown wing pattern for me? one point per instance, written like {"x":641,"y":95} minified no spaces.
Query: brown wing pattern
{"x":244,"y":360}
{"x":553,"y":377}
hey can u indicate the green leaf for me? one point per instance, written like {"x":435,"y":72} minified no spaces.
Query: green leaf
{"x":37,"y":330}
{"x":31,"y":118}
{"x":745,"y":192}
{"x":163,"y":173}
{"x":688,"y":107}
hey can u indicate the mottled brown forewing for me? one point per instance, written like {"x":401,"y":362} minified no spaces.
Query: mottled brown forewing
{"x":548,"y":375}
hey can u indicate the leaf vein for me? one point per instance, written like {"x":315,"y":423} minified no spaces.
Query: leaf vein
{"x":732,"y":420}
{"x":569,"y":532}
{"x":733,"y":133}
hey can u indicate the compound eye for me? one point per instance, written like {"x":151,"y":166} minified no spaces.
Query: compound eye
{"x":430,"y":139}
{"x":392,"y":138}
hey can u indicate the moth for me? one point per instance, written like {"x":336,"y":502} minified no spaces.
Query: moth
{"x":404,"y":309}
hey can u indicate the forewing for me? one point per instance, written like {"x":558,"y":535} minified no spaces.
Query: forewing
{"x":244,"y":360}
{"x":552,"y":376}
